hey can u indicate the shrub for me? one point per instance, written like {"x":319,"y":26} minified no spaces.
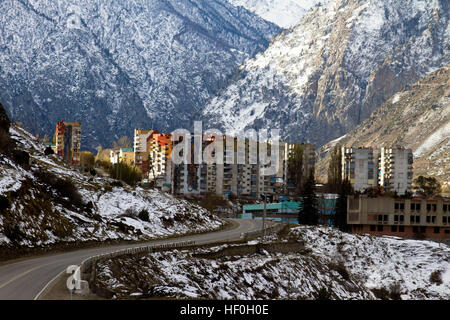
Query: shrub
{"x":381,"y":293}
{"x":48,"y":151}
{"x":323,"y":294}
{"x":436,"y":277}
{"x":395,"y":293}
{"x":4,"y":203}
{"x":143,"y":215}
{"x":21,"y":157}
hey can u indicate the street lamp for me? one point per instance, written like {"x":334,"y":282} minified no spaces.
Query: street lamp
{"x":264,"y":218}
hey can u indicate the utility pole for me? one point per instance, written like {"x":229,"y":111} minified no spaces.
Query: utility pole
{"x":264,"y":218}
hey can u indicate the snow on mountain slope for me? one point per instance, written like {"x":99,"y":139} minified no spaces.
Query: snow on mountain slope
{"x":347,"y":266}
{"x":120,"y":65}
{"x":284,"y":13}
{"x":44,"y":210}
{"x":342,"y":61}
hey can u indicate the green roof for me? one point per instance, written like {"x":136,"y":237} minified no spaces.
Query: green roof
{"x":127,"y":149}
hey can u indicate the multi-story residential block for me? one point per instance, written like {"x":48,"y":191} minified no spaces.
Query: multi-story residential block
{"x":160,"y":145}
{"x":395,"y":165}
{"x":122,"y":155}
{"x":142,"y":142}
{"x":359,"y":167}
{"x":68,"y":141}
{"x":416,"y":217}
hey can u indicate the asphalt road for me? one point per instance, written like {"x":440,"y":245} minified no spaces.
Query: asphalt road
{"x":25,"y":279}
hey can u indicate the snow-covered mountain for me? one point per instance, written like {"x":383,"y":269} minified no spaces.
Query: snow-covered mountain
{"x":119,"y":65}
{"x":284,"y":13}
{"x":342,"y":61}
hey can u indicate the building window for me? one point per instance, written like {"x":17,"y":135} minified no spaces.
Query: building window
{"x":436,"y":230}
{"x":411,"y":219}
{"x":415,"y":206}
{"x":385,"y":217}
{"x":444,"y":220}
{"x":401,"y":229}
{"x":380,"y":217}
{"x":396,"y":218}
{"x":394,"y":229}
{"x":415,"y":229}
{"x":428,"y":219}
{"x":372,"y":227}
{"x":423,"y":229}
{"x":380,"y":228}
{"x":417,"y":219}
{"x":445,"y":207}
{"x":433,"y":219}
{"x":402,"y":219}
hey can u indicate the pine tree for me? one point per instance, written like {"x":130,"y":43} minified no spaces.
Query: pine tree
{"x":335,"y":170}
{"x":340,"y":217}
{"x":308,"y":213}
{"x":295,"y":169}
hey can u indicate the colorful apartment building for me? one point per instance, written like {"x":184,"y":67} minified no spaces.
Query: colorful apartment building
{"x":68,"y":141}
{"x":142,"y":142}
{"x":409,"y":218}
{"x":160,"y":145}
{"x":122,"y":155}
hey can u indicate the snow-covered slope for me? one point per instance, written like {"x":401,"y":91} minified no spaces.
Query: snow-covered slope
{"x":342,"y":61}
{"x":45,"y":211}
{"x":284,"y":13}
{"x":122,"y":64}
{"x":346,"y":266}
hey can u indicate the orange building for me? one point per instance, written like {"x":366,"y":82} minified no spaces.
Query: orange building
{"x":68,"y":141}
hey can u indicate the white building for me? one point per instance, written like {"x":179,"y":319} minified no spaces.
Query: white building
{"x":358,"y":166}
{"x":396,"y":169}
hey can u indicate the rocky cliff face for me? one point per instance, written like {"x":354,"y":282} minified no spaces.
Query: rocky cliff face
{"x":119,"y":65}
{"x":329,"y":73}
{"x":417,"y":117}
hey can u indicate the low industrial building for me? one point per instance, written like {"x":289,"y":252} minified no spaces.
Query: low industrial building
{"x":409,"y":218}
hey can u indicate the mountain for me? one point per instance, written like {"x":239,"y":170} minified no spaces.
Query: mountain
{"x":44,"y":203}
{"x":284,"y":13}
{"x":332,"y":70}
{"x":120,"y":65}
{"x":417,"y":117}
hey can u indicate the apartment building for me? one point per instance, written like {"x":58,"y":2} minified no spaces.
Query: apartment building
{"x":243,"y":178}
{"x":409,"y":218}
{"x":395,"y":165}
{"x":142,"y":142}
{"x":122,"y":155}
{"x":160,"y":145}
{"x":359,"y":167}
{"x":68,"y":141}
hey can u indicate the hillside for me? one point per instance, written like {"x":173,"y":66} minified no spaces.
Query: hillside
{"x":417,"y":117}
{"x":120,"y":65}
{"x":284,"y":13}
{"x":50,"y":203}
{"x":345,"y":266}
{"x":326,"y":75}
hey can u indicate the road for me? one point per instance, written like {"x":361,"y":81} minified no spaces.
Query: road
{"x":25,"y":279}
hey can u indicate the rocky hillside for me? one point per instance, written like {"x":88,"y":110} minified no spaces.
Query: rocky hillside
{"x":417,"y":117}
{"x":284,"y":13}
{"x":120,"y":65}
{"x":335,"y":265}
{"x":332,"y":70}
{"x":44,"y":202}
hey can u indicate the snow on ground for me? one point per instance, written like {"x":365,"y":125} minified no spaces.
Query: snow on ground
{"x":434,"y":139}
{"x":383,"y":261}
{"x":40,"y":215}
{"x":346,"y":265}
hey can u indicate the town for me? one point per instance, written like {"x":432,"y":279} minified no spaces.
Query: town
{"x":376,"y":185}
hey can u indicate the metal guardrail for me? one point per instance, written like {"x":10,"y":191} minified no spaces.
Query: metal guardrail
{"x":85,"y":272}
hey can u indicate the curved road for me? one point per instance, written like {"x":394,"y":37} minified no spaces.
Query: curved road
{"x":25,"y":279}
